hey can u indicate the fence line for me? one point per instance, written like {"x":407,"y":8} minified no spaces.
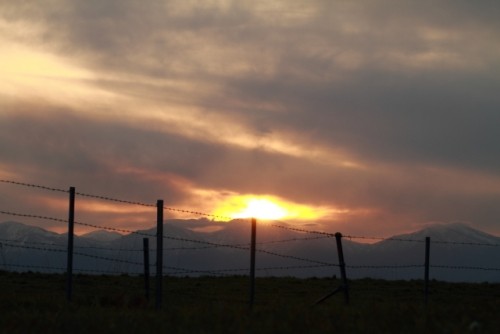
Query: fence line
{"x":111,"y":199}
{"x":384,"y":239}
{"x":199,"y":213}
{"x":318,"y":264}
{"x":36,"y":248}
{"x":33,"y":185}
{"x":176,"y":238}
{"x":33,"y":216}
{"x":209,"y":244}
{"x":78,"y":247}
{"x":464,"y":243}
{"x":295,"y":229}
{"x":463,"y":268}
{"x":329,"y":235}
{"x":396,"y":266}
{"x":170,"y":270}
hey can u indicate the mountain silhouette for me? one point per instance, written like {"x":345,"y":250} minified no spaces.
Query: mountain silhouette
{"x":458,"y":251}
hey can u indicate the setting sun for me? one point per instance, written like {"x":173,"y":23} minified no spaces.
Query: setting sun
{"x":265,"y":207}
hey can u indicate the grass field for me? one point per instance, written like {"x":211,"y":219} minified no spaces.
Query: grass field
{"x":36,"y":303}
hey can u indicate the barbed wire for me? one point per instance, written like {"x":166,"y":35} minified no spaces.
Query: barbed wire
{"x":187,"y":240}
{"x":62,"y":269}
{"x":233,"y":246}
{"x":212,"y":244}
{"x":296,"y":267}
{"x":396,"y":266}
{"x":199,"y":213}
{"x":464,"y":268}
{"x":247,"y":248}
{"x":324,"y":235}
{"x":74,"y":253}
{"x":33,"y":267}
{"x":295,"y":257}
{"x":104,"y":258}
{"x":382,"y":239}
{"x":32,"y":216}
{"x":110,"y":199}
{"x":109,"y":272}
{"x":464,"y":243}
{"x":98,"y":257}
{"x":111,"y":249}
{"x":235,"y":270}
{"x":31,"y":242}
{"x":208,"y":243}
{"x":223,"y":271}
{"x":36,"y":248}
{"x":117,"y":200}
{"x":101,"y":248}
{"x":303,"y":230}
{"x":115,"y":229}
{"x":33,"y":186}
{"x":292,"y":239}
{"x":444,"y":242}
{"x":187,"y":248}
{"x":246,"y":245}
{"x":153,"y":249}
{"x":329,"y":235}
{"x":183,"y":271}
{"x":75,"y":247}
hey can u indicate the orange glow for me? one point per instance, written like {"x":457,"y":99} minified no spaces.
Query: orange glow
{"x":96,"y":206}
{"x":263,"y":209}
{"x":267,"y":208}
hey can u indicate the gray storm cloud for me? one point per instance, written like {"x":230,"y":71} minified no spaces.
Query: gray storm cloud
{"x":407,"y":93}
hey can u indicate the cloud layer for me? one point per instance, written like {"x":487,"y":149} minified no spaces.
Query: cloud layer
{"x":385,"y":112}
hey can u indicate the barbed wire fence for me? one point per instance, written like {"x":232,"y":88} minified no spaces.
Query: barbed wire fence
{"x":91,"y":251}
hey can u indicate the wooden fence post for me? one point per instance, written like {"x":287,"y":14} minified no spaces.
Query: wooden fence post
{"x":145,"y":244}
{"x":159,"y":253}
{"x":344,"y":286}
{"x":426,"y":275}
{"x":71,"y":228}
{"x":340,"y":251}
{"x":252,"y":260}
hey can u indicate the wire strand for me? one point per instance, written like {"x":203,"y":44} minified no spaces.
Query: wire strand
{"x":33,"y":185}
{"x":32,"y":216}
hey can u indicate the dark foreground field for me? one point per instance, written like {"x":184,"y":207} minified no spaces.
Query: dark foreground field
{"x":35,"y":303}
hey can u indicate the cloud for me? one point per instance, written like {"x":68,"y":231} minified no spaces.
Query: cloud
{"x":386,"y":110}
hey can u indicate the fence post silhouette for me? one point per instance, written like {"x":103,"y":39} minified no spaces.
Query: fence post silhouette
{"x":426,"y":275}
{"x":3,"y":257}
{"x":71,"y":228}
{"x":252,"y":260}
{"x":344,"y":286}
{"x":145,"y":244}
{"x":159,"y":253}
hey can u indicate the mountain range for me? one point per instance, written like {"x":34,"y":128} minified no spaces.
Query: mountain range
{"x":202,"y":247}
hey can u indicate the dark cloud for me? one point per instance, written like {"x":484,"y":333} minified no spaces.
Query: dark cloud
{"x":407,"y":92}
{"x":444,"y":121}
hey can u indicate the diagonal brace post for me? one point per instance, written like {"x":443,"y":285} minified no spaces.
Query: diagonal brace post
{"x":344,"y":286}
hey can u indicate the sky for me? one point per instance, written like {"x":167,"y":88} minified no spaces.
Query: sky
{"x":366,"y":117}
